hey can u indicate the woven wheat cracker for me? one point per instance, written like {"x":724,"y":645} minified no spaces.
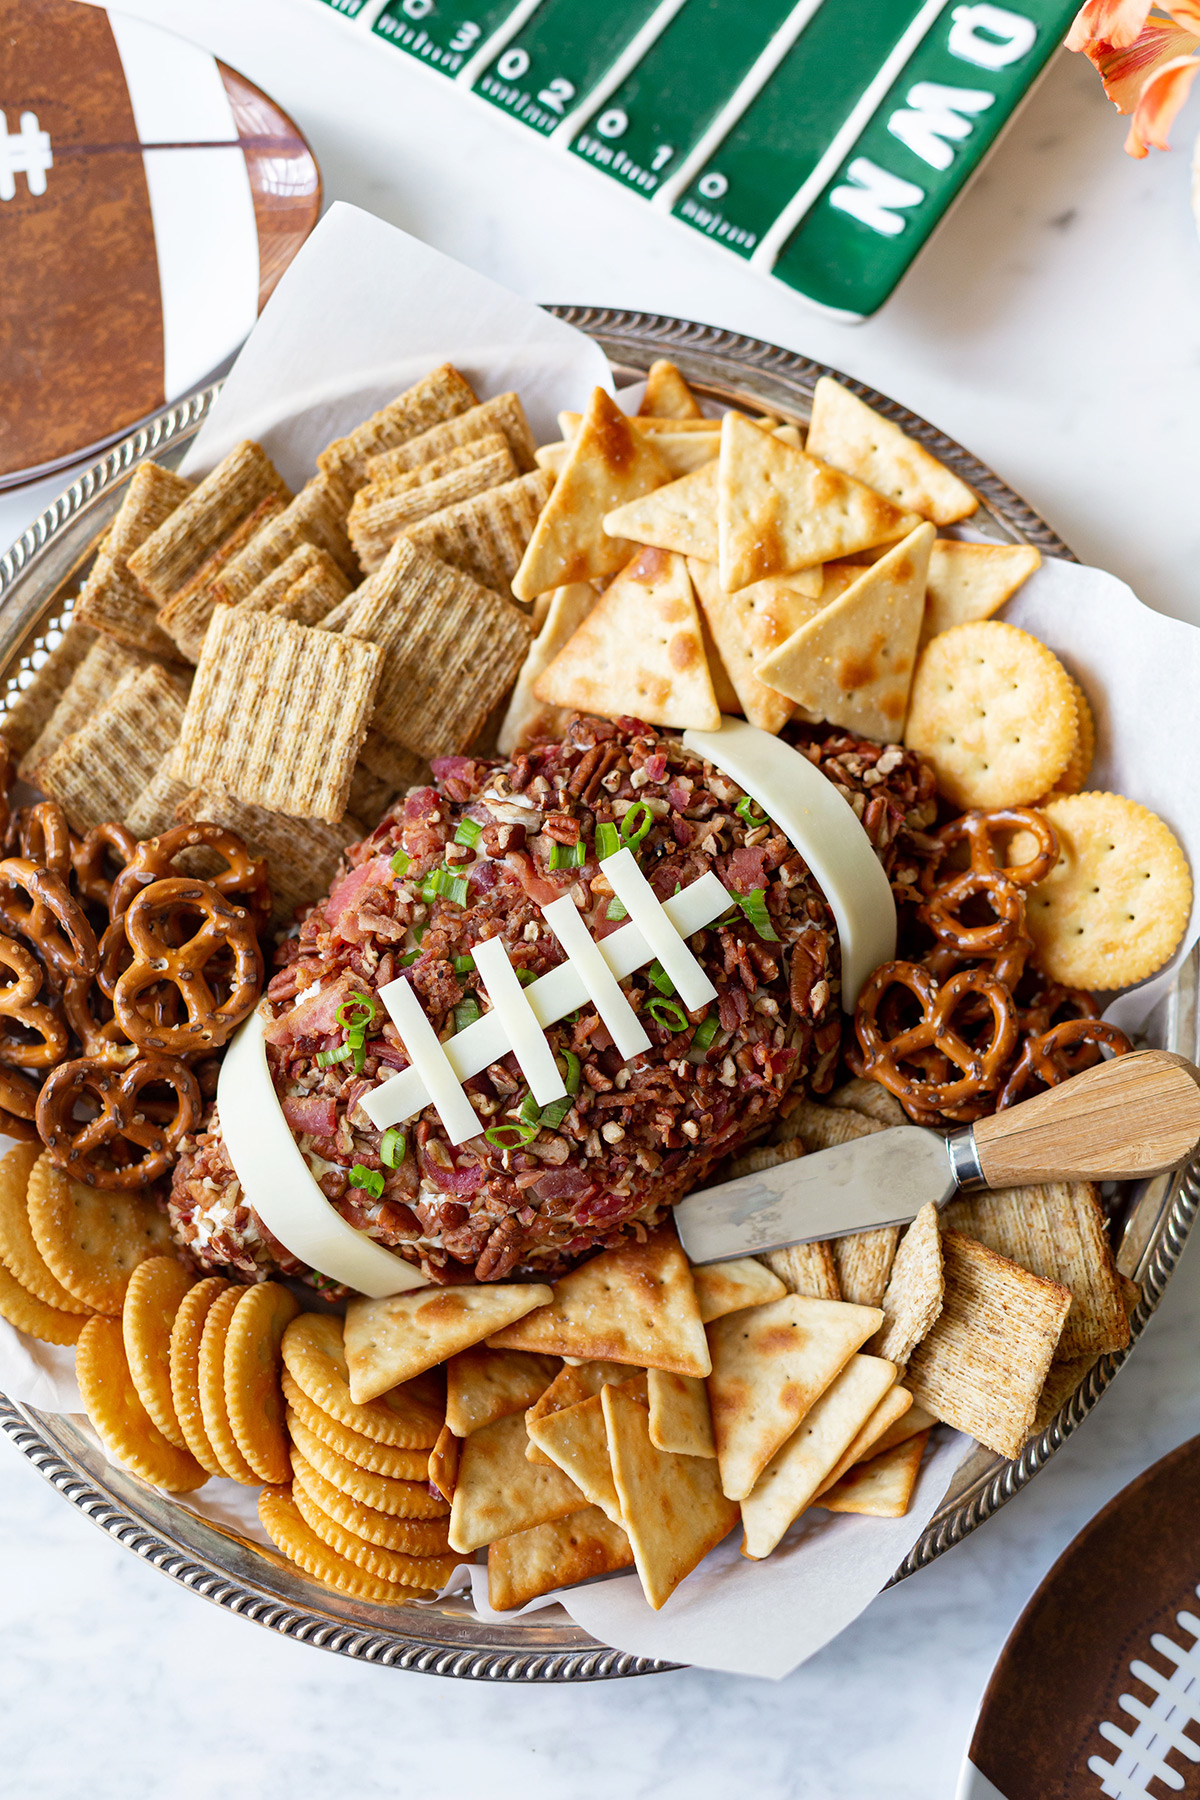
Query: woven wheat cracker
{"x":504,"y":413}
{"x":486,"y":536}
{"x":30,"y":708}
{"x":101,"y":771}
{"x":186,"y":615}
{"x":155,"y":808}
{"x":913,"y":1297}
{"x":440,"y":395}
{"x":451,"y":649}
{"x":302,"y":855}
{"x":808,"y":1269}
{"x":381,"y":512}
{"x":102,"y":672}
{"x":183,"y":543}
{"x":983,"y":1365}
{"x":315,"y":519}
{"x":277,"y":713}
{"x":122,"y":1422}
{"x":863,"y":1260}
{"x":112,"y":599}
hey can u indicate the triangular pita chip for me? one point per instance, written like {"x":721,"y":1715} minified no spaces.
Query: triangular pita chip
{"x":640,"y":651}
{"x":635,"y":1304}
{"x":574,"y":1382}
{"x":681,"y":516}
{"x":443,"y":1463}
{"x":869,"y":1436}
{"x":913,"y":1420}
{"x":668,"y":395}
{"x":851,"y":435}
{"x":498,"y":1491}
{"x":972,"y":581}
{"x":609,"y":464}
{"x":792,"y":1477}
{"x":672,"y":1506}
{"x":528,"y":719}
{"x":681,"y":451}
{"x":575,"y":1441}
{"x":746,"y":627}
{"x":853,"y":663}
{"x":483,"y":1385}
{"x":680,"y":1416}
{"x":551,"y":1556}
{"x":389,"y":1341}
{"x":729,"y":1286}
{"x":770,"y":1364}
{"x":881,"y":1487}
{"x":780,"y":509}
{"x":724,"y":692}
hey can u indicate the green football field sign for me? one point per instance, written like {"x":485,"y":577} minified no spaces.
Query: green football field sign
{"x":822,"y":142}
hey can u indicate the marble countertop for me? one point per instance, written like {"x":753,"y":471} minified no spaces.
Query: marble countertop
{"x":1054,"y":327}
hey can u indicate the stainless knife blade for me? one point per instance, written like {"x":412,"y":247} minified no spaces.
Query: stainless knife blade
{"x":882,"y":1179}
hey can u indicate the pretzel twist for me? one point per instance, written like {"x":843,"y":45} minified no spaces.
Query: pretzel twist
{"x":941,"y":912}
{"x":244,"y":878}
{"x":89,"y":857}
{"x":49,"y":917}
{"x":1048,"y":1055}
{"x":885,"y":1055}
{"x":101,"y":1037}
{"x":979,"y":832}
{"x":45,"y":837}
{"x":18,"y":1105}
{"x":20,"y":1004}
{"x":226,"y":933}
{"x":102,"y":1151}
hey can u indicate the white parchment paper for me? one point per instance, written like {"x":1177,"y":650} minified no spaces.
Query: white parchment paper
{"x":362,"y":313}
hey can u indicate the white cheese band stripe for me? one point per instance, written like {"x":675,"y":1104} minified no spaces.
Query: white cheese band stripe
{"x":426,"y":1054}
{"x":646,"y":910}
{"x":824,"y":829}
{"x":278,"y":1183}
{"x":588,"y":959}
{"x":550,"y":998}
{"x":535,"y":1059}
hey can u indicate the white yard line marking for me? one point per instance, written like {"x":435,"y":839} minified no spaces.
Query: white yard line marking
{"x":628,"y":60}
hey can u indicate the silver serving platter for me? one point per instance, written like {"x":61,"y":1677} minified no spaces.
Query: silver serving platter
{"x":1151,"y":1220}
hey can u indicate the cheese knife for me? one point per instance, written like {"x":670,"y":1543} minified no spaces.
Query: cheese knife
{"x":1131,"y":1117}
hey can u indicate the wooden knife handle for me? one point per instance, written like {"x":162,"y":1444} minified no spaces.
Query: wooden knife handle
{"x":1135,"y":1115}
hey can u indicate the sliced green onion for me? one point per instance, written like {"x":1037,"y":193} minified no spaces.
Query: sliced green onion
{"x":510,"y":1137}
{"x":554,"y":1114}
{"x":463,"y":965}
{"x":469,"y":833}
{"x":667,"y":1013}
{"x":571,"y":1073}
{"x":749,"y":810}
{"x":754,"y":905}
{"x":466,"y":1013}
{"x":530,"y":1111}
{"x":608,"y":841}
{"x":658,"y":977}
{"x":409,"y":958}
{"x":325,"y":1059}
{"x":359,"y":1052}
{"x":370,"y":1180}
{"x":393,"y":1147}
{"x":362,"y":1012}
{"x":525,"y":976}
{"x":457,"y":890}
{"x":705,"y":1032}
{"x":567,"y":856}
{"x":401,"y":862}
{"x":616,"y":910}
{"x":633,"y":828}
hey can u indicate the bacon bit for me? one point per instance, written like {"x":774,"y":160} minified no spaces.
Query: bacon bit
{"x":313,"y":1114}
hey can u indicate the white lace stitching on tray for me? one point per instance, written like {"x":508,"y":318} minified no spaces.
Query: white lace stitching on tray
{"x":1160,"y":1727}
{"x":656,"y":930}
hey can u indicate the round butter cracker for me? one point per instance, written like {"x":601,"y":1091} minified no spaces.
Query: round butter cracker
{"x":415,"y":1537}
{"x":289,"y":1532}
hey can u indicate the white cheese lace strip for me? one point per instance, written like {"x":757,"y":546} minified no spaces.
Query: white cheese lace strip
{"x":588,"y":959}
{"x":652,"y":920}
{"x":441,"y":1080}
{"x":550,"y":998}
{"x":535,"y":1059}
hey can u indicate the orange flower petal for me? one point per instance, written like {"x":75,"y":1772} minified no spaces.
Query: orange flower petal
{"x":1186,"y":13}
{"x":1115,"y":22}
{"x":1162,"y":97}
{"x":1126,"y":72}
